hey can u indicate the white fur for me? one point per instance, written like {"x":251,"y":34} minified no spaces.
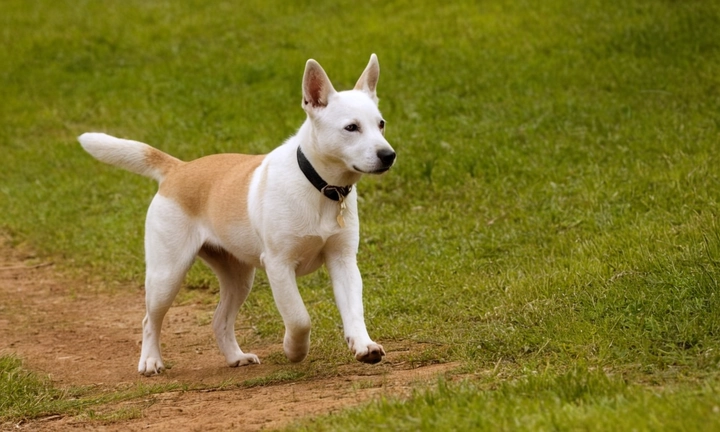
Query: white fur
{"x":291,"y":229}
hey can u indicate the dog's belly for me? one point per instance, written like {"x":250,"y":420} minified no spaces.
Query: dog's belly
{"x":237,"y":238}
{"x":304,"y":253}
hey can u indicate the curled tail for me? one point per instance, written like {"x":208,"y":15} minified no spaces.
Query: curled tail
{"x":133,"y":156}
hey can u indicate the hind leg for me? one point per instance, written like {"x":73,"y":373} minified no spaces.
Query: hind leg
{"x":170,"y":249}
{"x":236,"y":280}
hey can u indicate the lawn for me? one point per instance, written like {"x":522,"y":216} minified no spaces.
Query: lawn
{"x":551,"y":223}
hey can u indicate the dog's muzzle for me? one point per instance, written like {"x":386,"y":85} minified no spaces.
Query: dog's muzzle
{"x":387,"y":158}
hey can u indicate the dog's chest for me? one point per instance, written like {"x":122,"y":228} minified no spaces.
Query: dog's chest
{"x":308,"y":246}
{"x":309,"y":254}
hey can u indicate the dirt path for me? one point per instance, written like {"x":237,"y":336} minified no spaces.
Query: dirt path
{"x":80,"y":335}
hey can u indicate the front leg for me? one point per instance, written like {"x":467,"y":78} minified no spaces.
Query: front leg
{"x":281,"y":276}
{"x":347,"y":286}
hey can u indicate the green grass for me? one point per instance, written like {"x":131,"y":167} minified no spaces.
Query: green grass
{"x":24,"y":395}
{"x":555,"y":198}
{"x":576,"y":400}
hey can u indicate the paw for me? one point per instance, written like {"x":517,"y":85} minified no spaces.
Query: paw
{"x":295,"y":353}
{"x":150,"y":366}
{"x":244,"y":360}
{"x":296,"y":349}
{"x":372,"y":354}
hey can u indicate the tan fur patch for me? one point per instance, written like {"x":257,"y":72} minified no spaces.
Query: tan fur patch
{"x":213,"y":186}
{"x":163,"y":162}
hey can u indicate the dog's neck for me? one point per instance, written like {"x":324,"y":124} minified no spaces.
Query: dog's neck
{"x":332,"y":172}
{"x":334,"y":192}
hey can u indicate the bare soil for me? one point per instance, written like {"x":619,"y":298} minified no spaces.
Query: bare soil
{"x":81,"y":334}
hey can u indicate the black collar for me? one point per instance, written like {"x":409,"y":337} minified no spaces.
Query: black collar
{"x":332,"y":192}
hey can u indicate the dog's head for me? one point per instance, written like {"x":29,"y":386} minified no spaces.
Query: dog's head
{"x":347,"y":127}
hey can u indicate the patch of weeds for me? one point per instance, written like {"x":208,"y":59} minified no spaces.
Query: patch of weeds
{"x":116,"y":415}
{"x":24,"y":395}
{"x":364,"y":384}
{"x":426,"y":354}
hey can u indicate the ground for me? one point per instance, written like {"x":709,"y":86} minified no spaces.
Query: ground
{"x":80,"y":334}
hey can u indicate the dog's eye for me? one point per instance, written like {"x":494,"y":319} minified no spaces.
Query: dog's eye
{"x":352,"y":127}
{"x":382,"y":124}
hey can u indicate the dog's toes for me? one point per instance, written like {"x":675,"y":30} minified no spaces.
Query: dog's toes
{"x":151,"y":366}
{"x":373,"y":355}
{"x":244,"y":360}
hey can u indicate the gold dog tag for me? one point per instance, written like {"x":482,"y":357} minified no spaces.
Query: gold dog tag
{"x":340,"y":218}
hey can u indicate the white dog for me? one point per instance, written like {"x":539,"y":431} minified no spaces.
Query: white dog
{"x":288,"y":212}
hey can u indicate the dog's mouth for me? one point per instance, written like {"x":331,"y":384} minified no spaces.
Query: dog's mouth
{"x":381,"y":170}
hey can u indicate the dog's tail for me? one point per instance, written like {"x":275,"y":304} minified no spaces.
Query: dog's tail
{"x":133,"y":156}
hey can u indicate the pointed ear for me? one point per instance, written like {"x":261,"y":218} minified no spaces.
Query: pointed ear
{"x":369,"y":78}
{"x":316,"y":86}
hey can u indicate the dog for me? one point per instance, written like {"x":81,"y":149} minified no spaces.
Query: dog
{"x":288,"y":212}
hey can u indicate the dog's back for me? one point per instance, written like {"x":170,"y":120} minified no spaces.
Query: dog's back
{"x":213,"y":186}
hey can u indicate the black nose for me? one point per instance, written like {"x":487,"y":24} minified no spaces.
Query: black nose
{"x":386,"y":156}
